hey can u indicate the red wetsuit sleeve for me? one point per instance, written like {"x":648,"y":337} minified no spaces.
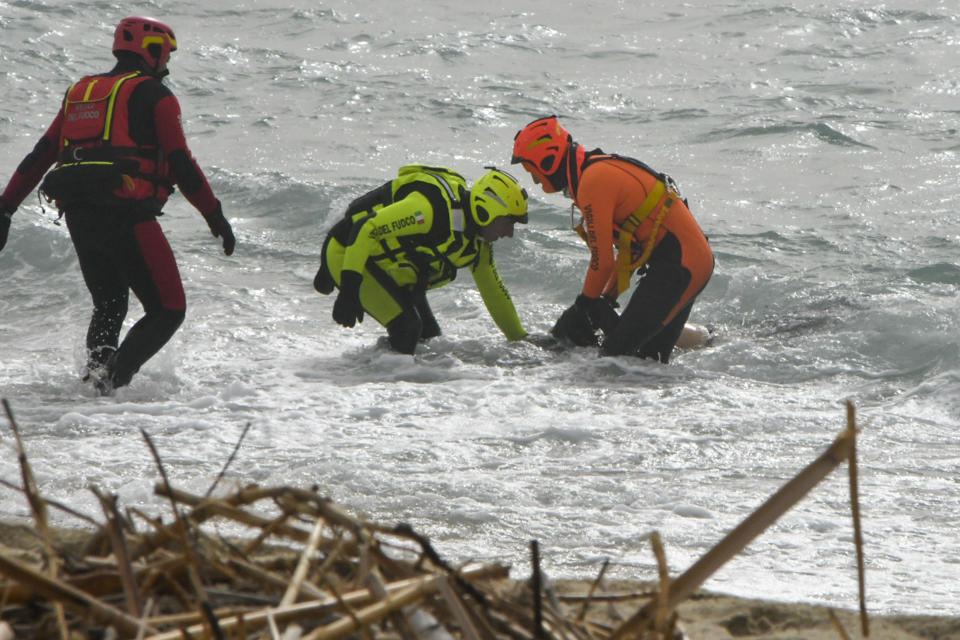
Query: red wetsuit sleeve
{"x":184,"y":170}
{"x":34,"y":165}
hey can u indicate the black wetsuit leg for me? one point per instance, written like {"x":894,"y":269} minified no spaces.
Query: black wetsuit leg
{"x":105,"y":282}
{"x":430,"y":328}
{"x":661,"y":345}
{"x":122,"y":248}
{"x":404,"y":331}
{"x":415,"y":323}
{"x":659,"y":289}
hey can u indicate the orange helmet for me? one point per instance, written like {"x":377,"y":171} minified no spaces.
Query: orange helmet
{"x":542,"y":146}
{"x":150,"y":39}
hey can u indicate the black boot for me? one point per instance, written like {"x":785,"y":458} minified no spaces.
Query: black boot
{"x":97,"y":359}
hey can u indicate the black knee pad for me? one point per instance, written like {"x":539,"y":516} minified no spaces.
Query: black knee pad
{"x":429,"y":327}
{"x":404,"y":331}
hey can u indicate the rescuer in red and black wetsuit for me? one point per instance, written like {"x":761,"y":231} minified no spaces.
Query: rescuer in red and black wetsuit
{"x":119,"y":148}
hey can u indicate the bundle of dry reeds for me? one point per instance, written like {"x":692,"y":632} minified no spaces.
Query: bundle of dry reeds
{"x":308,"y":570}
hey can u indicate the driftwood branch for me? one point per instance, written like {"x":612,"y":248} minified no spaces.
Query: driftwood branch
{"x":70,"y":597}
{"x":742,"y":535}
{"x":39,"y":508}
{"x":855,"y":511}
{"x":229,"y":461}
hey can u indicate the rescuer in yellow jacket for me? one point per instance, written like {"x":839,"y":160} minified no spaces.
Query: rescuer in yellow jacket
{"x":413,"y":234}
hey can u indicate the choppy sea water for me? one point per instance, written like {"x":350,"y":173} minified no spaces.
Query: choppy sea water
{"x":816,"y":142}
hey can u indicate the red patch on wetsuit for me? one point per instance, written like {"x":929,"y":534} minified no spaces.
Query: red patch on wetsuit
{"x":162,"y":265}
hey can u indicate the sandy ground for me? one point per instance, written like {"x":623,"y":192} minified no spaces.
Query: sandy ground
{"x":712,"y":616}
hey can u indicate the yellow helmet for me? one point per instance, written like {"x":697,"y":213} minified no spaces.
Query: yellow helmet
{"x":495,"y":195}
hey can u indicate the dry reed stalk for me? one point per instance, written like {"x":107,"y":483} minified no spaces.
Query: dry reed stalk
{"x":265,"y":532}
{"x":305,"y":502}
{"x":662,"y":617}
{"x":226,"y":465}
{"x":366,"y":559}
{"x":374,"y":612}
{"x":335,"y":554}
{"x":193,"y":572}
{"x":188,"y":617}
{"x":735,"y":541}
{"x":59,"y":506}
{"x":478,"y":610}
{"x":838,"y":625}
{"x":562,"y":628}
{"x":344,"y":607}
{"x":127,"y":578}
{"x":537,"y":587}
{"x":375,"y":583}
{"x":70,"y":597}
{"x":593,"y":587}
{"x":323,"y":606}
{"x":206,"y":509}
{"x":456,"y":607}
{"x":147,"y":609}
{"x":512,"y":617}
{"x":855,"y":511}
{"x":272,"y":626}
{"x":300,"y":573}
{"x":608,"y":597}
{"x":272,"y":581}
{"x":768,"y":513}
{"x":39,"y":508}
{"x":508,"y":626}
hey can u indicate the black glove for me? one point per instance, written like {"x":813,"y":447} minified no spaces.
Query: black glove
{"x":220,"y":228}
{"x":574,"y":325}
{"x":4,"y":229}
{"x":5,"y":213}
{"x":542,"y":340}
{"x":600,"y":311}
{"x":323,"y":282}
{"x":347,"y":309}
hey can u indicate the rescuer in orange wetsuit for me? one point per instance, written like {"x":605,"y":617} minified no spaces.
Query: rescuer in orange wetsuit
{"x":634,"y":221}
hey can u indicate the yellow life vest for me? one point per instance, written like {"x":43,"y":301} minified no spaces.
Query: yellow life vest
{"x":625,"y":263}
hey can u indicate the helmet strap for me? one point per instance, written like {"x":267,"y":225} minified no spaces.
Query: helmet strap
{"x":572,"y":169}
{"x":558,"y":179}
{"x":471,"y":226}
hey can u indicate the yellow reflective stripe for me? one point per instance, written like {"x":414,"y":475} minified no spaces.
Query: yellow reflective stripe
{"x":451,"y":196}
{"x":625,"y":267}
{"x":538,"y":142}
{"x":85,"y":162}
{"x":149,"y":40}
{"x":581,"y":232}
{"x":86,"y":95}
{"x":112,"y":101}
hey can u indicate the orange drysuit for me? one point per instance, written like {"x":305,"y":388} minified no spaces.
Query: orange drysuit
{"x":678,"y":265}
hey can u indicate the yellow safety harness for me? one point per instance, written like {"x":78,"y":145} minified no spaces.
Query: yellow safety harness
{"x":625,"y":266}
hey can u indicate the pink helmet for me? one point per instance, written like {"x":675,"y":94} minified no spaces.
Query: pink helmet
{"x":148,"y":38}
